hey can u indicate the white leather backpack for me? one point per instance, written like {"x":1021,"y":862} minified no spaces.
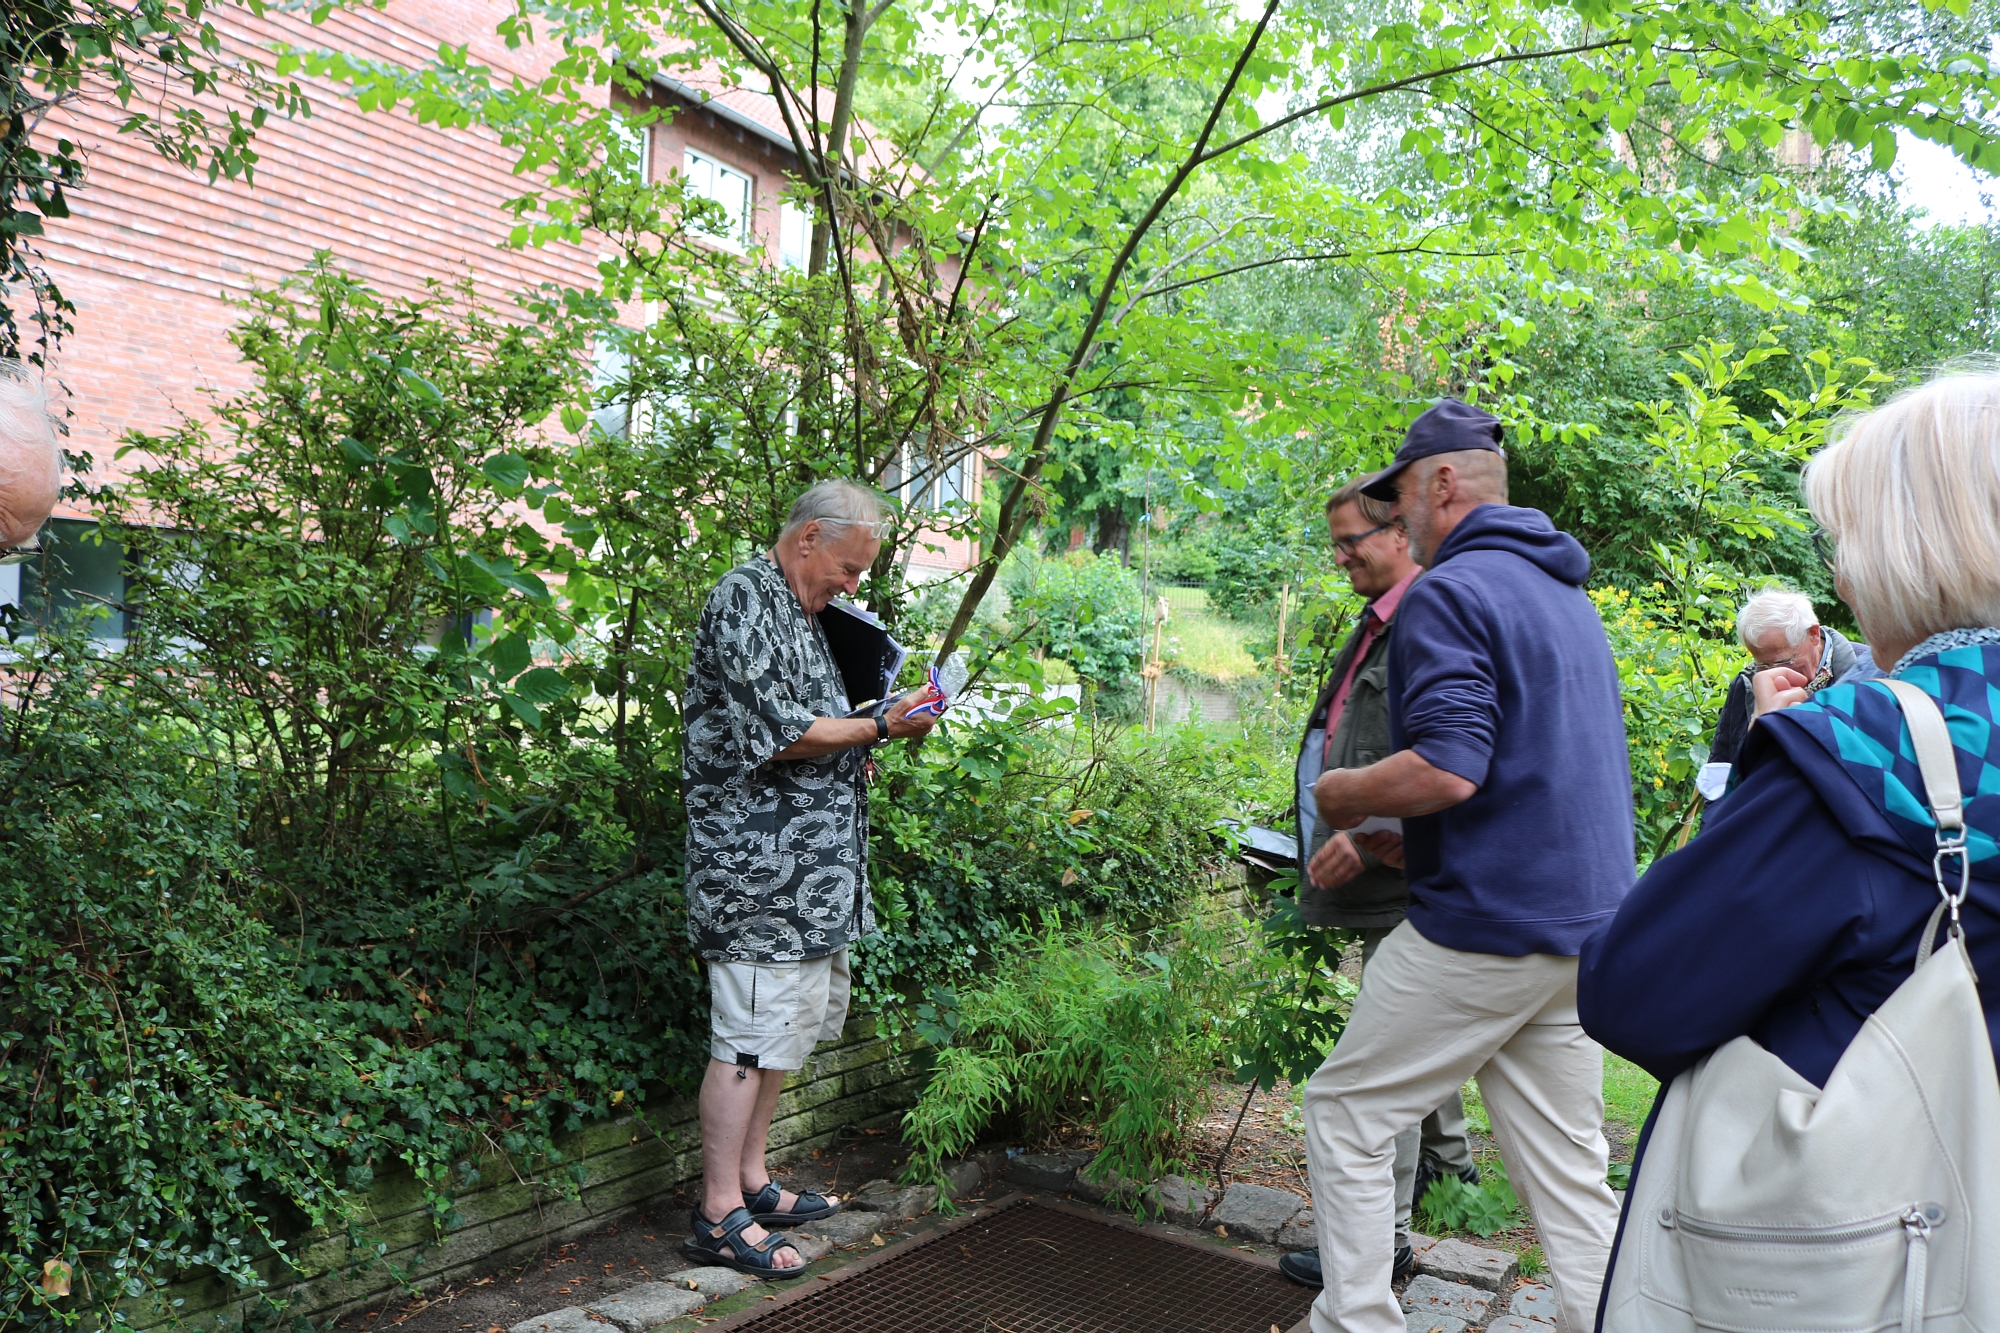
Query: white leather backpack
{"x":1767,"y":1205}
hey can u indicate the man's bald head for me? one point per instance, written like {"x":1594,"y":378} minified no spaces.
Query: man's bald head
{"x":30,"y":458}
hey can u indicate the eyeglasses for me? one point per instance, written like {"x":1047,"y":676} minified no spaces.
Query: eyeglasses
{"x":21,"y":555}
{"x":1346,"y":545}
{"x":1824,"y":546}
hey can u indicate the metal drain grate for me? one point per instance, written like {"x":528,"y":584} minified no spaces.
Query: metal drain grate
{"x":1027,"y":1268}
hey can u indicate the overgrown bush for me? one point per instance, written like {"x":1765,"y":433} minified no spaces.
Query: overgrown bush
{"x":1079,"y":1023}
{"x":1084,"y":610}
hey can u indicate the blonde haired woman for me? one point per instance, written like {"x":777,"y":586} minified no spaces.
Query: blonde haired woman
{"x":1798,"y":910}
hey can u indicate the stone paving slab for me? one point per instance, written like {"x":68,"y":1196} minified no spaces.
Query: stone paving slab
{"x":1534,"y":1301}
{"x":1514,"y":1323}
{"x":1255,"y":1212}
{"x":637,"y":1309}
{"x":1473,"y":1265}
{"x":1045,"y":1170}
{"x":846,"y":1228}
{"x":569,"y":1319}
{"x":1181,"y":1200}
{"x":1420,"y":1322}
{"x":713,"y":1283}
{"x":1428,"y":1295}
{"x":1298,"y":1234}
{"x":886,"y":1200}
{"x":1115,"y":1190}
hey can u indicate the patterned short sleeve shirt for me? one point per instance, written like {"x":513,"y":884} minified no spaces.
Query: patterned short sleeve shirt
{"x":777,"y":850}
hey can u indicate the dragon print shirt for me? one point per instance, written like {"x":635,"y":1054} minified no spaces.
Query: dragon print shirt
{"x":777,"y":850}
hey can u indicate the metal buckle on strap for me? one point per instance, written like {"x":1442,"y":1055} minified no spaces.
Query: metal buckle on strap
{"x":1953,"y":845}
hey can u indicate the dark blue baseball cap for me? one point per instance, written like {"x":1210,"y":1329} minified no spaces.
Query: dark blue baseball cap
{"x":1449,"y":427}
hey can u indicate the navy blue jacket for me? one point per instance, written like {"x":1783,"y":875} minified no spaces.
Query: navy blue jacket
{"x":1797,"y":910}
{"x":1499,"y":672}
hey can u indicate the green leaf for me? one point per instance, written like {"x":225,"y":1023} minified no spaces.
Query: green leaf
{"x":543,"y":685}
{"x":509,"y":656}
{"x":507,"y":471}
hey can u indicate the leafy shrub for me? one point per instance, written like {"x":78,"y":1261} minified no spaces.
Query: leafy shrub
{"x":1675,"y":661}
{"x":1078,"y":1024}
{"x":993,"y":825}
{"x":1452,"y":1205}
{"x":1085,"y":610}
{"x":1295,"y":1007}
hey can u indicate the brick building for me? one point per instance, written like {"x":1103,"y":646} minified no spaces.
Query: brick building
{"x":152,"y":253}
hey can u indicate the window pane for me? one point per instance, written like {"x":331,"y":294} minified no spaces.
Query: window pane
{"x":637,"y":142}
{"x":794,"y":236}
{"x":76,"y":573}
{"x":732,"y":191}
{"x":609,"y":367}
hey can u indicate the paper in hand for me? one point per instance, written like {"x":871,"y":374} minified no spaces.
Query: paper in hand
{"x":1379,"y":824}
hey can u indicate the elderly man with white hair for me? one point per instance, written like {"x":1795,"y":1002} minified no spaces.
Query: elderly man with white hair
{"x":1797,"y":657}
{"x":30,"y":459}
{"x":777,"y":852}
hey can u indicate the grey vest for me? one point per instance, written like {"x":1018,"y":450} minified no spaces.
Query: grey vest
{"x":1378,"y":895}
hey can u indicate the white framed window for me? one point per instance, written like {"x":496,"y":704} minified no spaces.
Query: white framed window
{"x":795,"y":232}
{"x":637,"y":141}
{"x":920,"y":483}
{"x":610,"y":366}
{"x":709,"y":179}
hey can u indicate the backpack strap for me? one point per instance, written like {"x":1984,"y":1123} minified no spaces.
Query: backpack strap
{"x":1938,"y":764}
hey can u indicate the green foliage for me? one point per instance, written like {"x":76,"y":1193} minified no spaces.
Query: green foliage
{"x":1452,"y":1205}
{"x":1533,"y":1262}
{"x":1084,"y":610}
{"x":993,"y":826}
{"x":357,"y":516}
{"x":1294,"y":1013}
{"x":1075,"y":1024}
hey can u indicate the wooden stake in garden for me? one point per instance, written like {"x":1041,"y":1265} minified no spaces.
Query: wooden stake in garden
{"x":1154,"y":668}
{"x":1284,"y":602}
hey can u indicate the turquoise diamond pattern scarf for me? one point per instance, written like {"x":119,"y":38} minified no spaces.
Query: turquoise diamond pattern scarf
{"x":1862,"y":727}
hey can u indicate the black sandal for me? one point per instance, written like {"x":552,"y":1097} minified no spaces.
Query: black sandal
{"x":759,"y":1260}
{"x":810,"y":1207}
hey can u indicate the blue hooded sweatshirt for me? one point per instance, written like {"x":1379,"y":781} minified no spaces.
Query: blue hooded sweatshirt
{"x":1499,"y":671}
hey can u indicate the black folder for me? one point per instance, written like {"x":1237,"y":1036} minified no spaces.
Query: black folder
{"x":868,"y":658}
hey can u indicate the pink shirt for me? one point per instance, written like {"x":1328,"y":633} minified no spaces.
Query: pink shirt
{"x":1373,"y":621}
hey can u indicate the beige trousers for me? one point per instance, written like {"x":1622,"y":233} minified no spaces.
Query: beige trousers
{"x":1428,"y":1018}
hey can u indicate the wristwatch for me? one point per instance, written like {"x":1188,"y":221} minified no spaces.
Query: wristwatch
{"x":881,"y":728}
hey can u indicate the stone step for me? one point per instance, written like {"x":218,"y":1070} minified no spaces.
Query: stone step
{"x":1427,"y":1295}
{"x":1534,"y":1301}
{"x":1473,"y":1265}
{"x":1255,"y":1212}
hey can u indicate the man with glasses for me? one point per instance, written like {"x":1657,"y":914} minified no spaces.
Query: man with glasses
{"x":30,"y":462}
{"x":1792,"y":658}
{"x":1510,"y":779}
{"x":1354,"y":881}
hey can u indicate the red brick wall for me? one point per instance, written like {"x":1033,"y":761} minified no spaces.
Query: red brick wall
{"x":152,"y":252}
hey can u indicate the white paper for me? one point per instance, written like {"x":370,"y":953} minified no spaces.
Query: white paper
{"x":1379,"y":824}
{"x":1712,"y":781}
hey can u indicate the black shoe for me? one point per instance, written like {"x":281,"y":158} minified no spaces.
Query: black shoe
{"x":1428,"y":1175}
{"x":1302,"y":1266}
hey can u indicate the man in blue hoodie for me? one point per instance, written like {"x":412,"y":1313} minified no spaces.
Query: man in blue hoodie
{"x":1511,"y":781}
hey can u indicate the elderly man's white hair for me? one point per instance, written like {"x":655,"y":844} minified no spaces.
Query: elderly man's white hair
{"x":30,"y":458}
{"x":1776,"y":608}
{"x":836,"y":505}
